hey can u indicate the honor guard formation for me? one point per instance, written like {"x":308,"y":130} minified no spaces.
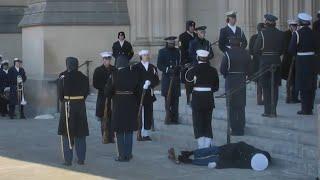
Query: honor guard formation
{"x":126,"y":90}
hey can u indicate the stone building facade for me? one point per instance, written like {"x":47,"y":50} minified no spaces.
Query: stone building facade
{"x":44,"y":32}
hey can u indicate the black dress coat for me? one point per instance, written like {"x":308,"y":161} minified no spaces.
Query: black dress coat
{"x":169,"y":58}
{"x":124,"y":106}
{"x":125,"y":50}
{"x":73,"y":83}
{"x":100,"y":78}
{"x":12,"y":75}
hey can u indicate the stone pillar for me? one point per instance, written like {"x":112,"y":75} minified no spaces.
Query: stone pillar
{"x":55,"y":29}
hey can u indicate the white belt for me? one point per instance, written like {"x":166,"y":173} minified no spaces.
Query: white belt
{"x":228,"y":47}
{"x":236,"y":72}
{"x":202,"y":89}
{"x":305,"y":53}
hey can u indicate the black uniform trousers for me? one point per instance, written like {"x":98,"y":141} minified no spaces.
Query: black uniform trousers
{"x":3,"y":106}
{"x":307,"y":100}
{"x":173,"y":109}
{"x":267,"y":97}
{"x":147,"y":116}
{"x":237,"y":118}
{"x":79,"y":143}
{"x":202,"y":123}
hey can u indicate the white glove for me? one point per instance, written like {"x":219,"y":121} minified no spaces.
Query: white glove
{"x":146,"y":84}
{"x":19,"y":80}
{"x":6,"y":89}
{"x":212,"y":165}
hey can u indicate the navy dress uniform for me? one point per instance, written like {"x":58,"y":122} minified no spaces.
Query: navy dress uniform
{"x":288,"y":65}
{"x":184,"y":42}
{"x":200,"y":43}
{"x":303,"y":45}
{"x":123,"y":88}
{"x":204,"y":80}
{"x":15,"y":73}
{"x":147,"y":73}
{"x":4,"y":87}
{"x":100,"y":77}
{"x":235,"y":67}
{"x":122,"y":47}
{"x":256,"y":61}
{"x":270,"y":42}
{"x":169,"y":64}
{"x":73,"y":89}
{"x":231,"y":30}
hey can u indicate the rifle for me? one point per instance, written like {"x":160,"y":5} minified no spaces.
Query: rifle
{"x":105,"y":124}
{"x":290,"y":76}
{"x":139,"y":137}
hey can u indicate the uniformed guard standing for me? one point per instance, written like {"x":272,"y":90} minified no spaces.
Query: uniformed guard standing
{"x":122,"y":47}
{"x":4,"y":87}
{"x":123,"y":88}
{"x":288,"y":65}
{"x":316,"y":24}
{"x":169,"y":64}
{"x":147,"y":74}
{"x":256,"y":62}
{"x":231,"y":30}
{"x":204,"y":80}
{"x":235,"y":67}
{"x":184,"y":41}
{"x":200,"y":42}
{"x":73,"y":126}
{"x":303,"y":45}
{"x":100,"y":77}
{"x":270,"y":42}
{"x":17,"y":77}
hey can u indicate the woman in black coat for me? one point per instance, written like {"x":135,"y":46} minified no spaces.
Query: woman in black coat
{"x":123,"y":89}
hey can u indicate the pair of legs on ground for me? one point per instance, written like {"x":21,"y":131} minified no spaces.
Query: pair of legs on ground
{"x":124,"y":146}
{"x":77,"y":143}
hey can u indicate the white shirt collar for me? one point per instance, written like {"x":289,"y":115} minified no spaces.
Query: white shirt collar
{"x":233,"y":28}
{"x":191,"y":34}
{"x":17,"y":68}
{"x":121,"y":43}
{"x":6,"y":71}
{"x":145,"y":65}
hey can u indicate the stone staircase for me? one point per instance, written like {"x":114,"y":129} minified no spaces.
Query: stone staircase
{"x":291,"y":139}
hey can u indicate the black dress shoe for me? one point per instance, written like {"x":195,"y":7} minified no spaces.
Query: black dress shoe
{"x":147,"y":138}
{"x":236,"y":133}
{"x":67,"y":163}
{"x":266,"y":115}
{"x":121,"y":159}
{"x":80,"y":162}
{"x":304,"y":113}
{"x":22,"y":117}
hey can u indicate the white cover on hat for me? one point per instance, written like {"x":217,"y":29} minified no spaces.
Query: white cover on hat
{"x":202,"y":53}
{"x":1,"y":55}
{"x":319,"y":12}
{"x":16,"y":59}
{"x":304,"y":16}
{"x":4,"y":61}
{"x":230,"y":13}
{"x":259,"y":162}
{"x":106,"y":54}
{"x":292,"y":21}
{"x":143,"y":52}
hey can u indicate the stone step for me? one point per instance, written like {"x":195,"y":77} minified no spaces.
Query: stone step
{"x":272,"y":145}
{"x":284,"y":154}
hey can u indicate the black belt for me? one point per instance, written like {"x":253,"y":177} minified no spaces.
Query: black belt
{"x":124,"y":93}
{"x":271,"y":54}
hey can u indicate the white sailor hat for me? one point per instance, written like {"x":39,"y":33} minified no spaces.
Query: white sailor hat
{"x":106,"y":54}
{"x":4,"y":62}
{"x":143,"y":52}
{"x":318,"y":12}
{"x":292,"y":22}
{"x":304,"y":17}
{"x":259,"y":162}
{"x":17,"y":59}
{"x":202,"y":53}
{"x":231,"y":13}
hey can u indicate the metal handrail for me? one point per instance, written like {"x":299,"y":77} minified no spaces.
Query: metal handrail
{"x":272,"y":68}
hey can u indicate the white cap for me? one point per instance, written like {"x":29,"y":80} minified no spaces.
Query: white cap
{"x":318,"y":12}
{"x":16,"y":59}
{"x":4,"y":61}
{"x":259,"y":162}
{"x":304,"y":17}
{"x":106,"y":54}
{"x":202,"y":53}
{"x":230,"y":13}
{"x":292,"y":22}
{"x":143,"y":52}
